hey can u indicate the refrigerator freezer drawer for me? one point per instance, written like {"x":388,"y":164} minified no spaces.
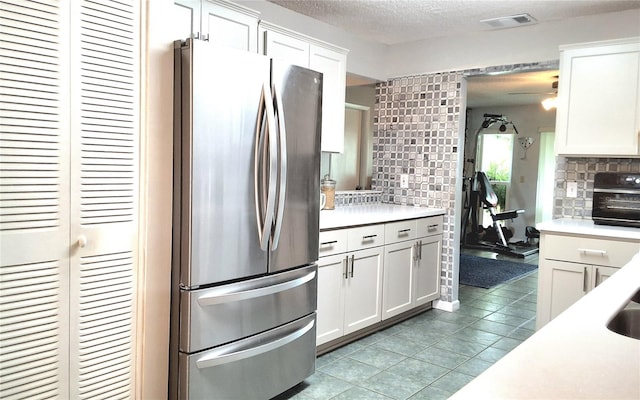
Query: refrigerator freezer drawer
{"x":258,"y":367}
{"x":214,"y":316}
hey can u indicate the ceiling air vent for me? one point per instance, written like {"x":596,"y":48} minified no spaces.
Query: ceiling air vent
{"x":510,"y":22}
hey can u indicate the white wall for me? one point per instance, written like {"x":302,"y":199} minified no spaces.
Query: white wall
{"x":529,"y":120}
{"x":156,"y":183}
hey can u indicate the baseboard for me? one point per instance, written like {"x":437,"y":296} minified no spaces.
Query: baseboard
{"x":447,"y":305}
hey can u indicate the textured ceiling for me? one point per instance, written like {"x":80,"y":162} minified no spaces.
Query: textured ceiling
{"x":400,"y":21}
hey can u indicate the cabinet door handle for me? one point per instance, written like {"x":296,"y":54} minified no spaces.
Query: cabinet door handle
{"x":346,"y":267}
{"x":420,"y":249}
{"x":584,"y":279}
{"x":353,"y":257}
{"x":593,"y":252}
{"x":415,"y":251}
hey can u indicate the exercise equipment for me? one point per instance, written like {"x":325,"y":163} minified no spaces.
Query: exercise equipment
{"x":481,"y":196}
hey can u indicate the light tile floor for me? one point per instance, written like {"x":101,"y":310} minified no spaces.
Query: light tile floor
{"x":431,"y":355}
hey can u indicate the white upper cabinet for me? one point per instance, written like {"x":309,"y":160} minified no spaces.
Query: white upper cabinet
{"x":286,"y":47}
{"x":333,"y":65}
{"x":230,"y":25}
{"x":186,"y":18}
{"x":297,"y":49}
{"x":599,"y":99}
{"x":218,"y":21}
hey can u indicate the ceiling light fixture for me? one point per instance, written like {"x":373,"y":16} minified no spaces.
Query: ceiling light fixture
{"x":551,"y":102}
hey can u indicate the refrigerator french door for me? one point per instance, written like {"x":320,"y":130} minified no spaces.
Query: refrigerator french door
{"x":246,"y":216}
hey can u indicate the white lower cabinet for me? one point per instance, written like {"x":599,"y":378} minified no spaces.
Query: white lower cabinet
{"x":398,"y":278}
{"x":426,"y":270}
{"x":363,"y":289}
{"x":567,"y":282}
{"x":349,"y":292}
{"x":331,"y":287}
{"x":571,"y":266}
{"x":370,"y":273}
{"x":412,"y":261}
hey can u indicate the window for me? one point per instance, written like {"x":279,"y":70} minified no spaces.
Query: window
{"x":495,"y":153}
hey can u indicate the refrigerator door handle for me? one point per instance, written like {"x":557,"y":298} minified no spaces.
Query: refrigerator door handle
{"x":282,"y":174}
{"x":272,"y":288}
{"x":215,"y":359}
{"x":265,"y":215}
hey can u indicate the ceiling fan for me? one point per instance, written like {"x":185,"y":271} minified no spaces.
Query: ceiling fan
{"x":548,"y":102}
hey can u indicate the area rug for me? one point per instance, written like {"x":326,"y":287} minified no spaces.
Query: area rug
{"x":487,"y":272}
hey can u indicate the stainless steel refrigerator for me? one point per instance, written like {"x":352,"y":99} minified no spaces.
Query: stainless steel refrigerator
{"x":246,"y":216}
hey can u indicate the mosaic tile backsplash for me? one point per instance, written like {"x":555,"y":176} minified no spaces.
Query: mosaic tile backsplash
{"x":582,"y":171}
{"x":358,"y":197}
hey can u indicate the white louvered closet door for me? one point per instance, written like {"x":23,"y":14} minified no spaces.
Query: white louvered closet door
{"x":68,"y":198}
{"x":34,"y":200}
{"x":104,"y":196}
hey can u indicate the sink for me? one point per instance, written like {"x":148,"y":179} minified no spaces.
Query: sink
{"x":626,"y":322}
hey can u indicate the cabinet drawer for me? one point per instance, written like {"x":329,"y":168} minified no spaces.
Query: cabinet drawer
{"x":332,"y":242}
{"x":400,"y":231}
{"x":365,"y":237}
{"x":430,"y":226}
{"x":611,"y":253}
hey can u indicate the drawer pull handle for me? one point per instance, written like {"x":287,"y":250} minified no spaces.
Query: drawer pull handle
{"x":592,"y":252}
{"x":404,"y":231}
{"x":213,"y":298}
{"x":215,"y":358}
{"x":328,"y":243}
{"x":369,"y":237}
{"x":432,"y":227}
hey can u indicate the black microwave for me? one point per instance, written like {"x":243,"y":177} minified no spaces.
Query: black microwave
{"x":616,"y":199}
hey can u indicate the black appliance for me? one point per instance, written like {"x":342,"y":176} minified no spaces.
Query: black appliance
{"x":616,"y":199}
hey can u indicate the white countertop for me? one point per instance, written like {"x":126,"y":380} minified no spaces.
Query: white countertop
{"x":587,"y":227}
{"x":346,"y":216}
{"x":574,"y":355}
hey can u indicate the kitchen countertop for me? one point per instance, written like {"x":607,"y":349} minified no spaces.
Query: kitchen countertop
{"x":574,"y":355}
{"x":587,"y":227}
{"x":347,"y":216}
